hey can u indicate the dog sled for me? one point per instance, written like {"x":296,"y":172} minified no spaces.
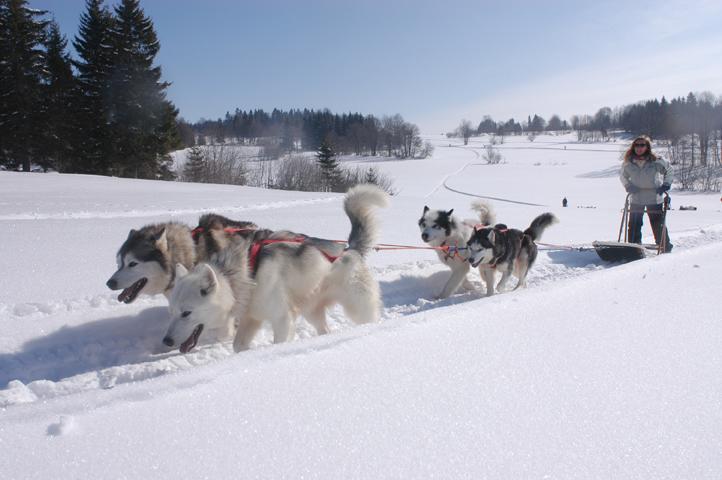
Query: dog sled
{"x":624,"y":251}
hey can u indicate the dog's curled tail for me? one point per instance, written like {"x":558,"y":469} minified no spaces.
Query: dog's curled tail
{"x":359,"y":204}
{"x":486,"y":212}
{"x":539,"y":224}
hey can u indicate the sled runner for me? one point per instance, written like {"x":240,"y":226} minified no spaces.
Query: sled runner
{"x":623,"y":251}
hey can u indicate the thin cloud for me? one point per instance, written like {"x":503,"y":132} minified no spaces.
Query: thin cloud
{"x":614,"y":82}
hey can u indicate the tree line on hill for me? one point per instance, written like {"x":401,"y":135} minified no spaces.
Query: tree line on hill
{"x":690,"y":128}
{"x":282,"y":132}
{"x":104,"y":113}
{"x":226,"y":163}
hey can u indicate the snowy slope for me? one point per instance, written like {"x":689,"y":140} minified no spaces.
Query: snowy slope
{"x":595,"y":371}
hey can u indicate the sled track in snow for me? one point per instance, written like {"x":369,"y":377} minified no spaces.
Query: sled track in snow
{"x":101,"y":345}
{"x":445,"y":184}
{"x":161,"y":212}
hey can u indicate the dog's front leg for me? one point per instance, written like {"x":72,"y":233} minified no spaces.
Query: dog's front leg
{"x":487,"y":273}
{"x":281,"y":327}
{"x":247,"y":328}
{"x":458,"y":274}
{"x":500,"y":287}
{"x":316,"y":316}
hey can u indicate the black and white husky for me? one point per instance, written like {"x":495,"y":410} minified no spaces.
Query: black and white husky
{"x":147,"y":259}
{"x":440,"y":228}
{"x":276,"y":279}
{"x":507,"y":250}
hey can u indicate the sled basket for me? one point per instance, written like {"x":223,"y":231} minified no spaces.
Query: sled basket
{"x":623,"y":251}
{"x":619,"y":251}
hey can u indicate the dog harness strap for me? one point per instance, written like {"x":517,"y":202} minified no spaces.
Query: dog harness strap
{"x":329,"y":257}
{"x":253,"y":255}
{"x":195,"y":232}
{"x":453,"y":252}
{"x":257,"y":246}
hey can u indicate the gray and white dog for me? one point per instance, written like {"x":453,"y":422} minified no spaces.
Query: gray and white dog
{"x":440,"y":228}
{"x":147,"y":259}
{"x":507,"y":250}
{"x":275,"y":279}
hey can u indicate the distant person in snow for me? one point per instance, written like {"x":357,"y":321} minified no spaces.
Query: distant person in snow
{"x":646,"y":178}
{"x":564,"y":202}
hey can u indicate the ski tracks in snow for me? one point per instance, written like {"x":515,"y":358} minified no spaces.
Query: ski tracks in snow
{"x":445,"y":182}
{"x":144,"y":213}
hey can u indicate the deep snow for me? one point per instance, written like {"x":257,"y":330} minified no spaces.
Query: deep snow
{"x":595,"y":371}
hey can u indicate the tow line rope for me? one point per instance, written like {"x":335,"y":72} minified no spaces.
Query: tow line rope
{"x":451,"y":250}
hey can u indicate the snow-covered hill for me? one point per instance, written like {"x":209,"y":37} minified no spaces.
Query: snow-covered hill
{"x":595,"y":371}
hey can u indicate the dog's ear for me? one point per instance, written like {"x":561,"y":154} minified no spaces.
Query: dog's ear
{"x":180,"y":270}
{"x":450,"y":212}
{"x":132,"y":234}
{"x":426,"y":209}
{"x":161,"y":240}
{"x":492,"y":236}
{"x":209,"y":281}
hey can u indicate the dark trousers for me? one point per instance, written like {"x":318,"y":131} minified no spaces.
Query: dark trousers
{"x":636,"y":216}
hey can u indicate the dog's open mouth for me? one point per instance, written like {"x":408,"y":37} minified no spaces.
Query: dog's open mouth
{"x":129,"y":294}
{"x":192,"y":340}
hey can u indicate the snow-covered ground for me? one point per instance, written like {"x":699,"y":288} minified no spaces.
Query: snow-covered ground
{"x":594,"y":371}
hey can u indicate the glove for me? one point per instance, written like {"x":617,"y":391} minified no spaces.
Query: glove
{"x":664,"y":188}
{"x":632,"y":188}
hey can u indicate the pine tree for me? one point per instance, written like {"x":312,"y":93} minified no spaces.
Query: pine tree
{"x":22,"y":33}
{"x":195,"y":168}
{"x":94,"y":47}
{"x":165,"y":168}
{"x":372,"y":176}
{"x":330,"y":169}
{"x":144,"y":122}
{"x":57,"y":102}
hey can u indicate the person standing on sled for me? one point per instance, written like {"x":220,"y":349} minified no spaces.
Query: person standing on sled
{"x":646,"y":178}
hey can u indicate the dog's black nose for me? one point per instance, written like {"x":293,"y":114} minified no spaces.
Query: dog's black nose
{"x":112,"y":284}
{"x":424,"y":237}
{"x":168,"y":342}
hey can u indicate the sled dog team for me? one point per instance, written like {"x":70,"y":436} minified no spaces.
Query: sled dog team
{"x":224,"y":278}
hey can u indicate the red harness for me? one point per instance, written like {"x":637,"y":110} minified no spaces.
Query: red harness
{"x":258,"y":245}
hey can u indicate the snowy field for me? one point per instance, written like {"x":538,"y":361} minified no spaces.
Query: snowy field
{"x":595,"y":371}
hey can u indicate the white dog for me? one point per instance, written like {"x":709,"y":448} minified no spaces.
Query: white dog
{"x":266,"y":278}
{"x":439,"y":228}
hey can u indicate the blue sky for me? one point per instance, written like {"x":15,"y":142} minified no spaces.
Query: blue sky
{"x":433,"y":62}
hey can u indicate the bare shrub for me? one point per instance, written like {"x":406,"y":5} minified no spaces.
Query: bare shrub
{"x":297,"y":172}
{"x":492,"y":155}
{"x":357,"y":175}
{"x":427,"y":150}
{"x":304,"y":174}
{"x":689,"y":172}
{"x":225,"y":165}
{"x":216,"y":164}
